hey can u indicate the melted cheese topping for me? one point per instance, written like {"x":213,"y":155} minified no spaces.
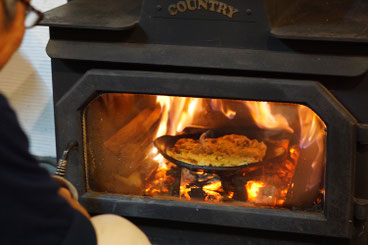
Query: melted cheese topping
{"x":227,"y":151}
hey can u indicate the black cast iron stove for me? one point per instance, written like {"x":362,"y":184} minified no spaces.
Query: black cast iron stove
{"x":283,"y":83}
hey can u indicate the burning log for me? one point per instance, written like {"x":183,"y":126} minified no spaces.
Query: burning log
{"x":123,"y":155}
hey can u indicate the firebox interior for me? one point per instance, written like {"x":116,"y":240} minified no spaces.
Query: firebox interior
{"x":120,"y":130}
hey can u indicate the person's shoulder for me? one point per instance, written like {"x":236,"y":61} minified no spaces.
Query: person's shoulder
{"x":10,"y":129}
{"x":6,"y":112}
{"x":4,"y":104}
{"x":3,"y":100}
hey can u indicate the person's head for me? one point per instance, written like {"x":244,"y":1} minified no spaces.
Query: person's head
{"x":12,"y":16}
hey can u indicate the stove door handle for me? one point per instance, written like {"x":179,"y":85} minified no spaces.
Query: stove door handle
{"x":63,"y":161}
{"x":61,"y":169}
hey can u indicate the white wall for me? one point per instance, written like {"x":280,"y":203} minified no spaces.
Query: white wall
{"x":26,"y":82}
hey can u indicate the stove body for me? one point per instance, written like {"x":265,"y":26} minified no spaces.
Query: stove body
{"x":218,"y":52}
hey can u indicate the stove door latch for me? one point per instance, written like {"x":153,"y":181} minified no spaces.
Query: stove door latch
{"x":363,"y":133}
{"x":63,"y":161}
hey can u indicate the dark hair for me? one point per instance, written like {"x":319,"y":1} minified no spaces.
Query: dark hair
{"x":9,"y":8}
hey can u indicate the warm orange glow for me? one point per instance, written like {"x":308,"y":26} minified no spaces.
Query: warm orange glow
{"x":212,"y":190}
{"x":230,"y":195}
{"x":280,"y":202}
{"x":220,"y":105}
{"x":313,"y":135}
{"x":158,"y":185}
{"x":186,"y":117}
{"x":294,"y":153}
{"x":177,"y":113}
{"x":264,"y":118}
{"x":165,"y":103}
{"x":200,"y":172}
{"x":312,"y":128}
{"x":184,"y":192}
{"x":253,"y":188}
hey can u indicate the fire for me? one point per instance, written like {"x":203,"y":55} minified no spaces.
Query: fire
{"x":175,"y":120}
{"x":253,"y":188}
{"x":177,"y":113}
{"x":172,"y":122}
{"x":165,"y":103}
{"x":213,"y":191}
{"x":230,"y":195}
{"x":160,"y":178}
{"x":184,"y":192}
{"x":313,"y":135}
{"x":211,"y":187}
{"x":263,"y":117}
{"x":294,"y":153}
{"x":219,"y":105}
{"x":186,"y":116}
{"x":312,"y":128}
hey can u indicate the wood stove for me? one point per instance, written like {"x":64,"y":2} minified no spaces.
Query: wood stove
{"x":133,"y":78}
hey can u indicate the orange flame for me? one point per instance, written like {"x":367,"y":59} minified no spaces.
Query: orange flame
{"x":175,"y":120}
{"x":219,"y":105}
{"x":179,"y":112}
{"x":230,"y":195}
{"x":313,"y":133}
{"x":253,"y":188}
{"x":212,"y":190}
{"x":172,"y":121}
{"x":184,"y":192}
{"x":263,"y":117}
{"x":312,"y":128}
{"x":187,"y":115}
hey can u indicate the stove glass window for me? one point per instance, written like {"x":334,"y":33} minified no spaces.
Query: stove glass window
{"x":218,"y":151}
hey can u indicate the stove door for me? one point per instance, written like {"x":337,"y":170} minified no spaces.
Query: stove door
{"x":231,"y":151}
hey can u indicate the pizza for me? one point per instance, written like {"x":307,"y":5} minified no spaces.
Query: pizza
{"x":226,"y":151}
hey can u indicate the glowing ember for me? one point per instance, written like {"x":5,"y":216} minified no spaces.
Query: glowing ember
{"x":230,"y":195}
{"x":184,"y":192}
{"x":212,"y":190}
{"x":253,"y":188}
{"x":161,"y":179}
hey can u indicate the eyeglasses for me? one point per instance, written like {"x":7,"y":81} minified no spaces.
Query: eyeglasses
{"x":33,"y":16}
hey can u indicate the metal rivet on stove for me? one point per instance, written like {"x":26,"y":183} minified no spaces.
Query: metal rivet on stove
{"x":248,"y":11}
{"x":158,"y":7}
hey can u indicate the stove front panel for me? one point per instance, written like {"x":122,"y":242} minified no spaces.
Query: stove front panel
{"x":298,"y":121}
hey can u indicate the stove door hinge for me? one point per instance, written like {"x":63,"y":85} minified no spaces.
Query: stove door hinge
{"x":360,"y":221}
{"x":363,"y":133}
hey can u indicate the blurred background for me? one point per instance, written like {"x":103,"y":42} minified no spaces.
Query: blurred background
{"x":26,"y":82}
